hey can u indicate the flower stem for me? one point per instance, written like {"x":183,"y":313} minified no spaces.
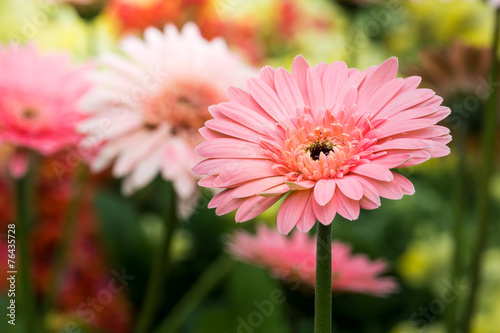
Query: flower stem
{"x":489,"y":131}
{"x":68,"y":234}
{"x":323,"y":294}
{"x":157,"y":275}
{"x":23,"y":187}
{"x":207,"y":281}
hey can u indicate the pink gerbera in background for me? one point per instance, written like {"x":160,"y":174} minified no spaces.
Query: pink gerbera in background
{"x":326,"y":137}
{"x":148,"y":106}
{"x":294,"y":258}
{"x":38,"y":103}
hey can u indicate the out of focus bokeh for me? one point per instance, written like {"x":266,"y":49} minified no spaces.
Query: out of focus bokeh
{"x":99,"y":281}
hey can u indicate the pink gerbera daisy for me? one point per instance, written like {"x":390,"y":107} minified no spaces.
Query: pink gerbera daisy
{"x":149,"y":105}
{"x":294,"y":260}
{"x":38,"y":102}
{"x":326,"y":137}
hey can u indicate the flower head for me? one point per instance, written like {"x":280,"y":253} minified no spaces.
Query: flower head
{"x":38,"y":102}
{"x":149,"y":105}
{"x":326,"y":137}
{"x":295,"y":257}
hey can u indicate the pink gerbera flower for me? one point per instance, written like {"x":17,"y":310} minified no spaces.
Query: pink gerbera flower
{"x":38,"y":102}
{"x":326,"y":137}
{"x":149,"y":105}
{"x":294,"y":260}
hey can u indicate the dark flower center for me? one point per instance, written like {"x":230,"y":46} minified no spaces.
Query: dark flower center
{"x":316,"y":148}
{"x":29,"y":114}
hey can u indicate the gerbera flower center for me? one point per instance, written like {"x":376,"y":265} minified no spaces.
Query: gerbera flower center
{"x":29,"y":113}
{"x":316,"y":148}
{"x":183,"y":106}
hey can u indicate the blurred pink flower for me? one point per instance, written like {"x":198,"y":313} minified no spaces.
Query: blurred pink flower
{"x":328,"y":134}
{"x":295,"y":257}
{"x":149,"y":105}
{"x":38,"y":102}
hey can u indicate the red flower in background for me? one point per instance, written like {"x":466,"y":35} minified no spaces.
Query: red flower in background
{"x":88,"y":271}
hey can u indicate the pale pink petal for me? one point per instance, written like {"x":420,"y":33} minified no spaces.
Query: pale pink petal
{"x":300,"y":67}
{"x":324,"y":190}
{"x":325,"y":214}
{"x":374,"y":171}
{"x":315,"y":90}
{"x":291,"y":210}
{"x":346,"y":207}
{"x":254,"y":206}
{"x":288,"y":91}
{"x":268,"y":99}
{"x":350,"y":187}
{"x":257,"y":186}
{"x":308,"y":218}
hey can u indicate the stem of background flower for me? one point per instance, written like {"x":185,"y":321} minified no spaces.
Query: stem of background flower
{"x":489,"y":131}
{"x":458,"y":219}
{"x":202,"y":287}
{"x":23,"y":187}
{"x":67,"y":236}
{"x":157,"y":275}
{"x":323,"y":293}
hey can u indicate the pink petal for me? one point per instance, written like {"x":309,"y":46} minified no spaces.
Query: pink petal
{"x":404,"y":101}
{"x":207,"y":181}
{"x":334,"y":77}
{"x":384,"y":94}
{"x":237,"y":173}
{"x":388,"y":190}
{"x":392,"y":160}
{"x":390,"y":128}
{"x":404,"y":183}
{"x":239,"y":96}
{"x":267,"y":98}
{"x":350,"y":187}
{"x":384,"y":73}
{"x":346,"y":207}
{"x":300,"y":67}
{"x":291,"y":210}
{"x":308,"y":219}
{"x":254,"y":206}
{"x":257,"y":186}
{"x":233,"y":129}
{"x":373,"y":171}
{"x":410,"y":144}
{"x":324,"y":190}
{"x":245,"y":116}
{"x":267,"y":75}
{"x":301,"y":185}
{"x":288,"y":91}
{"x":315,"y":90}
{"x":230,"y":148}
{"x":325,"y":214}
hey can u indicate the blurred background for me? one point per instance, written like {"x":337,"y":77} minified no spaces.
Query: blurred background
{"x":447,"y":43}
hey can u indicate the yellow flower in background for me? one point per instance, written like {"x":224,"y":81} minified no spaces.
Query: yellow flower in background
{"x":54,"y":26}
{"x":426,"y":259}
{"x":470,"y":21}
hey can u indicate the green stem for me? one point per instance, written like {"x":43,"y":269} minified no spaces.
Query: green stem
{"x":489,"y":131}
{"x":158,"y":272}
{"x":458,"y":220}
{"x":67,"y":236}
{"x":212,"y":275}
{"x":23,"y":220}
{"x":323,"y":294}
